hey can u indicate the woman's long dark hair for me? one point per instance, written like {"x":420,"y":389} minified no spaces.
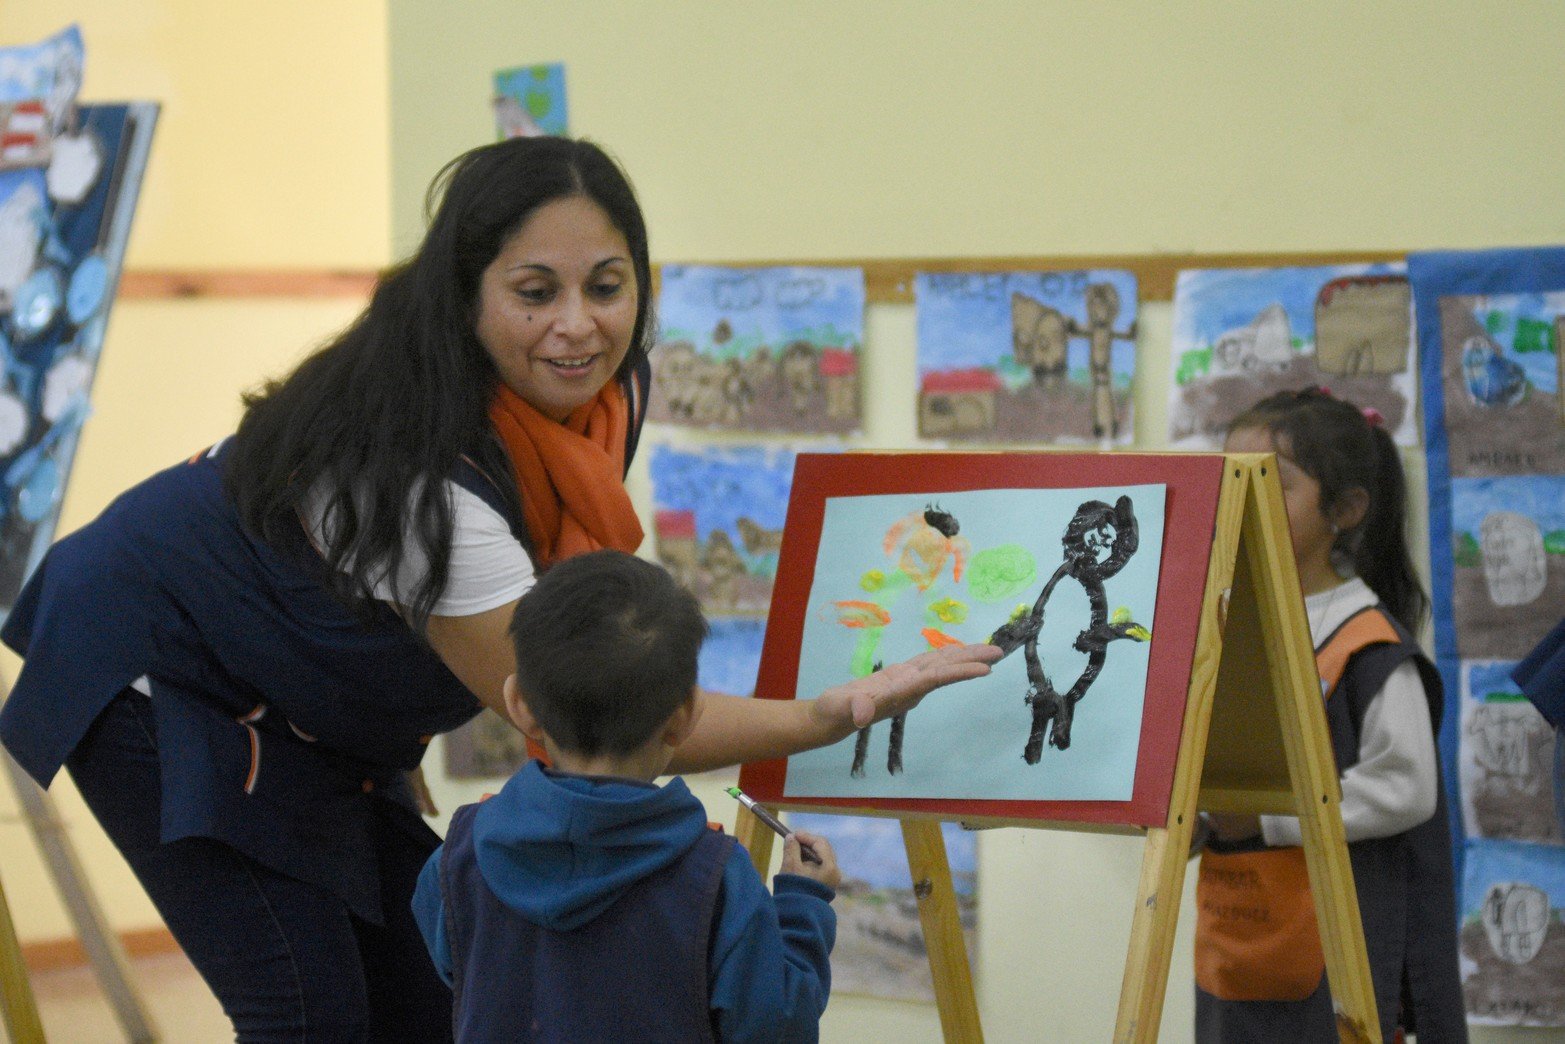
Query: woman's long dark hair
{"x":376,"y":420}
{"x":1333,"y":443}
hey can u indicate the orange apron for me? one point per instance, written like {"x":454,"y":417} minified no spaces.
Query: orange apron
{"x":1256,"y":934}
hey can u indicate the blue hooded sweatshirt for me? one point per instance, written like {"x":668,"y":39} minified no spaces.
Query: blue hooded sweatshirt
{"x":559,"y":849}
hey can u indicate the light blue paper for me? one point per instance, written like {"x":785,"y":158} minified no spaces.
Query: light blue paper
{"x":966,"y":741}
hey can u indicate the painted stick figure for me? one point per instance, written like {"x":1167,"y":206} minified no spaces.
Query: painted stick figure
{"x":1102,"y":310}
{"x":1098,"y":542}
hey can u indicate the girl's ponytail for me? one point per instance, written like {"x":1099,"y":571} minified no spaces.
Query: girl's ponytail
{"x":1379,"y":544}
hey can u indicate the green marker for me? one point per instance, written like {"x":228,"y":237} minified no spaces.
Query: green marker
{"x":772,"y":821}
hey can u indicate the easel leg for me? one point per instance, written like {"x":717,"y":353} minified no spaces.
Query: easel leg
{"x":16,"y":993}
{"x":103,"y":947}
{"x":757,"y":839}
{"x":1152,"y":931}
{"x":942,"y":924}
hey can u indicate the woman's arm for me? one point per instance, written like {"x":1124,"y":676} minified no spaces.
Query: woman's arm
{"x":733,"y":730}
{"x":478,"y":651}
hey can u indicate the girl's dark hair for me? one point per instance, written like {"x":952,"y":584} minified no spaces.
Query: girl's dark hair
{"x":1333,"y":443}
{"x":376,"y":420}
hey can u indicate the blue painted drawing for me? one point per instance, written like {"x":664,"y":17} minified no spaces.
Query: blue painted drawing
{"x":530,"y":101}
{"x":1513,"y":934}
{"x":880,"y":948}
{"x":1505,"y":759}
{"x":1508,"y":552}
{"x":759,"y":349}
{"x":1500,"y":372}
{"x":896,"y":575}
{"x":1026,"y":356}
{"x":1241,"y":334}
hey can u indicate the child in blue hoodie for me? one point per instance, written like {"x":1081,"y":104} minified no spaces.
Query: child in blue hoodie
{"x":585,"y":902}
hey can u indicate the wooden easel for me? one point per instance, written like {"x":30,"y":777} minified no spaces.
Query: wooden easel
{"x":1254,"y":676}
{"x":103,"y":948}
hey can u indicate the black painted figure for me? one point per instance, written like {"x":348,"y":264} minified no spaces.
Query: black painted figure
{"x":1098,"y":542}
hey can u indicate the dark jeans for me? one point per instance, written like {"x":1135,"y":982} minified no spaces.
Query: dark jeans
{"x":286,"y":959}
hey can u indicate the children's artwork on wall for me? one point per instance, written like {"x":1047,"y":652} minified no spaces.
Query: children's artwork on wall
{"x":880,"y":948}
{"x":1241,"y":334}
{"x":1500,"y":367}
{"x":890,"y":555}
{"x":1026,"y":356}
{"x":731,"y":655}
{"x":1507,"y":758}
{"x":1508,"y":556}
{"x":69,"y":178}
{"x":488,"y":747}
{"x":1488,"y":333}
{"x":717,"y":522}
{"x":1513,"y":934}
{"x":530,"y":101}
{"x":759,"y":349}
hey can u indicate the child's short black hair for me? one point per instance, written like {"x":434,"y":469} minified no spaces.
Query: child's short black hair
{"x":606,"y":647}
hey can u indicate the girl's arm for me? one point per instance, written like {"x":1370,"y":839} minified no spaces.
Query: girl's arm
{"x":1393,"y":788}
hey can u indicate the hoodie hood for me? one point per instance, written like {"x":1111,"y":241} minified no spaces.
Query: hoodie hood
{"x":560,"y":849}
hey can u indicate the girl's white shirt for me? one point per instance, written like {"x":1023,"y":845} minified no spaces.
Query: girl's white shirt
{"x":1393,"y":787}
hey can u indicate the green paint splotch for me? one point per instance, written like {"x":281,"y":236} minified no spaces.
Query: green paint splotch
{"x":998,"y":573}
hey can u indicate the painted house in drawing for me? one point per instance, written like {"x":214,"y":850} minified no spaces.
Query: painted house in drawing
{"x":957,"y":402}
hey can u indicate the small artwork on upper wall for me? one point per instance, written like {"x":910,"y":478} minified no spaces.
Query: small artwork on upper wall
{"x":1241,"y":334}
{"x":1508,"y":546}
{"x":1506,"y":758}
{"x":529,"y":102}
{"x":1501,"y":371}
{"x":1035,"y":357}
{"x":759,"y":349}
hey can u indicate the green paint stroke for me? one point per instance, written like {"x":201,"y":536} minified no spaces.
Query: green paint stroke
{"x":864,"y":653}
{"x":997,"y":573}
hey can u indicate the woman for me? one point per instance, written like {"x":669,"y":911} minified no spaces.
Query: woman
{"x":243,"y":656}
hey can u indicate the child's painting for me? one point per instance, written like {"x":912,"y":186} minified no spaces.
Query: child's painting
{"x":69,"y":178}
{"x":530,"y":102}
{"x":488,"y":747}
{"x":890,"y":555}
{"x":759,"y":349}
{"x":717,"y":522}
{"x":1241,"y":334}
{"x":1500,"y":369}
{"x":1055,"y":575}
{"x":1037,"y":357}
{"x":880,"y":940}
{"x":1508,"y":548}
{"x":1513,"y":934}
{"x":1506,"y":760}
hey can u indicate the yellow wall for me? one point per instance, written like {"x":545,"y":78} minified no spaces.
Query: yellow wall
{"x":271,"y":151}
{"x":823,"y":129}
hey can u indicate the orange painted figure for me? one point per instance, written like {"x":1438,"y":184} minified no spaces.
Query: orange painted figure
{"x":927,"y":539}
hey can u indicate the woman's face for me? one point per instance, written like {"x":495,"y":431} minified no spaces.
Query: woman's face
{"x":557,"y":306}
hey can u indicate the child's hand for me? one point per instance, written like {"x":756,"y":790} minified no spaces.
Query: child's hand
{"x":793,"y":862}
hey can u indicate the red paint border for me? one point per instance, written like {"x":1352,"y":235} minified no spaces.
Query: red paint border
{"x":1193,"y":482}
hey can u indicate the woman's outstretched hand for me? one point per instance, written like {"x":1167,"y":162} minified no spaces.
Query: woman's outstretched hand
{"x":898,"y":687}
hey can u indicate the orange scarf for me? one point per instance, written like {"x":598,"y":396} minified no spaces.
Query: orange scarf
{"x":571,"y":476}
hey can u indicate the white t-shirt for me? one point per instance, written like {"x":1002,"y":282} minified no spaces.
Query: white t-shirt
{"x":1392,"y":789}
{"x":488,"y":567}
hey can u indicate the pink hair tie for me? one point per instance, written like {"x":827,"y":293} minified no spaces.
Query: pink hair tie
{"x":1373,"y":416}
